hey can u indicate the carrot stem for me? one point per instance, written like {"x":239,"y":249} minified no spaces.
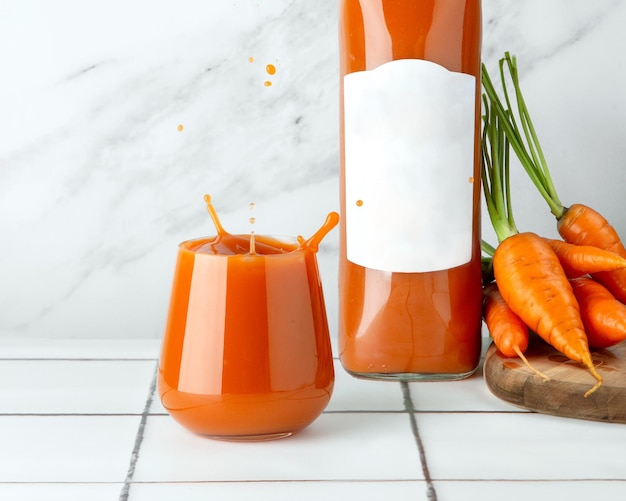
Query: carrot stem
{"x":524,"y":140}
{"x":495,"y":174}
{"x":487,"y":248}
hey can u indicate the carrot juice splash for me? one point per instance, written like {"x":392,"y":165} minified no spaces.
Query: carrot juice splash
{"x":409,"y":272}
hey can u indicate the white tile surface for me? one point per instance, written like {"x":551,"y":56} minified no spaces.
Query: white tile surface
{"x":521,"y":447}
{"x":74,"y":386}
{"x":363,"y":446}
{"x":582,"y":490}
{"x":60,"y":492}
{"x":282,"y":491}
{"x":469,"y":394}
{"x":352,"y":394}
{"x":66,"y":448}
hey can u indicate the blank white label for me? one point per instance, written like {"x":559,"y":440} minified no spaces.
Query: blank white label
{"x":409,"y":166}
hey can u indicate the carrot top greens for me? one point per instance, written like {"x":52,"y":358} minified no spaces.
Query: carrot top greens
{"x":495,"y":176}
{"x":518,"y":128}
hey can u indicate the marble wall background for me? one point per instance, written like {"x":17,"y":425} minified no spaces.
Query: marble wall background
{"x":98,"y":184}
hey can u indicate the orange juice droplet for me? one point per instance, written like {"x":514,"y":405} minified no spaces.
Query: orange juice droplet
{"x":359,"y":203}
{"x":271,"y":70}
{"x":471,"y":179}
{"x":180,"y":127}
{"x":312,"y":243}
{"x":250,"y":59}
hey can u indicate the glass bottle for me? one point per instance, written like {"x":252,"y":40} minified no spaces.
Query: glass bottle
{"x":409,"y":272}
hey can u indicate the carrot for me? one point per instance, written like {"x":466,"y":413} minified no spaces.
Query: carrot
{"x":582,"y":225}
{"x":527,"y":271}
{"x":578,"y":224}
{"x":604,"y":317}
{"x":578,"y":260}
{"x":509,"y":333}
{"x":535,"y":287}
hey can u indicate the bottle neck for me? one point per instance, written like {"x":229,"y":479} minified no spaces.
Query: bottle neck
{"x":447,"y":32}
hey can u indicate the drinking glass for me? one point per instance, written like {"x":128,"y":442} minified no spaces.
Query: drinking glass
{"x":246,"y":351}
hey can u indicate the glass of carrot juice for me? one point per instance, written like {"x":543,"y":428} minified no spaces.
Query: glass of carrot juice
{"x":246,"y":351}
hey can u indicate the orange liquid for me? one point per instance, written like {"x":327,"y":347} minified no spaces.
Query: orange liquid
{"x":411,"y":325}
{"x":246,"y":352}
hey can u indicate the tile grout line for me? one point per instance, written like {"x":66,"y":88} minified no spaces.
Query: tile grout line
{"x":139,"y":438}
{"x":408,"y":405}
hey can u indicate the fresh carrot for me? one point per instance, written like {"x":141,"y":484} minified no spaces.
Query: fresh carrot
{"x":527,"y":271}
{"x":604,"y":317}
{"x":535,"y":287}
{"x":578,"y":260}
{"x":509,"y":333}
{"x":578,"y":224}
{"x":582,"y":225}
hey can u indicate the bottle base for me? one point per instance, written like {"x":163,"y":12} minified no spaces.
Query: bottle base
{"x":412,"y":377}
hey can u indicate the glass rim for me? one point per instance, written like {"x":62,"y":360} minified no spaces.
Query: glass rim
{"x":185,"y":245}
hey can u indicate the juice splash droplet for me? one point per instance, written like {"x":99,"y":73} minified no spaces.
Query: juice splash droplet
{"x":180,"y":128}
{"x":271,"y":70}
{"x":471,"y":179}
{"x":252,"y":220}
{"x":252,"y":243}
{"x":359,"y":203}
{"x":250,"y":59}
{"x":313,"y":243}
{"x":216,"y":221}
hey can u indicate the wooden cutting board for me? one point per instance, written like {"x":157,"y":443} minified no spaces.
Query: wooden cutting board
{"x":510,"y":380}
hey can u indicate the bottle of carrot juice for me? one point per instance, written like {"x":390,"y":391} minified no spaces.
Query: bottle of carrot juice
{"x":409,"y":272}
